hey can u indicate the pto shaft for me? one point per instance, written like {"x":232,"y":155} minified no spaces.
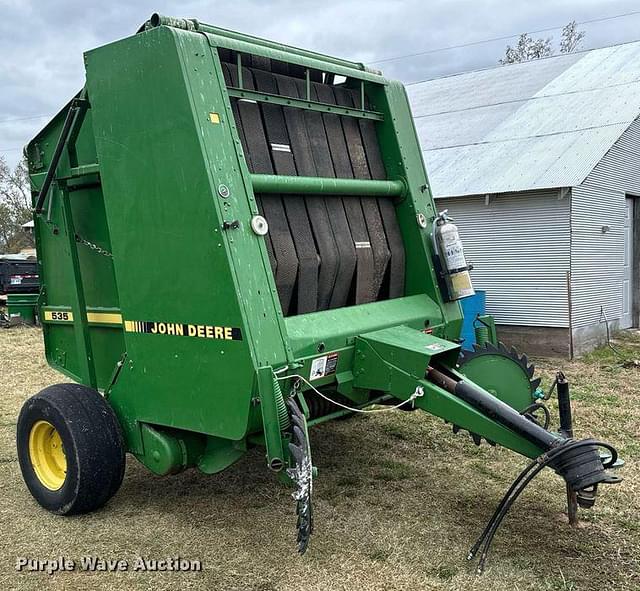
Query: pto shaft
{"x":495,"y":409}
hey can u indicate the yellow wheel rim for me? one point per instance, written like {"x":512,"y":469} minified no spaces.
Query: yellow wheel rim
{"x":47,"y":455}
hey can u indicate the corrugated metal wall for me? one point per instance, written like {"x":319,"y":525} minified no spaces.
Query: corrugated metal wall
{"x":597,"y":257}
{"x":519,"y":247}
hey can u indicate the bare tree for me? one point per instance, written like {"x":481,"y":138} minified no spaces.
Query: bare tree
{"x":527,"y":49}
{"x":571,"y":38}
{"x":15,"y":206}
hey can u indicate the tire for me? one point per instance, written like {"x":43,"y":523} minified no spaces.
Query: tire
{"x":70,"y":449}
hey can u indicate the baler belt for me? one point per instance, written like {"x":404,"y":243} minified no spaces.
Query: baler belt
{"x":326,"y":251}
{"x":316,"y":204}
{"x":284,"y":252}
{"x":335,"y":207}
{"x":258,"y":61}
{"x":364,"y":281}
{"x":230,"y":77}
{"x":394,"y":282}
{"x":379,"y":246}
{"x":306,"y":296}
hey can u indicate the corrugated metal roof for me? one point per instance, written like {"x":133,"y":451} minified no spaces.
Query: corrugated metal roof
{"x":536,"y":125}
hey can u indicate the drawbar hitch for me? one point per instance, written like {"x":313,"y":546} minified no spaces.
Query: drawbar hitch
{"x":577,"y":461}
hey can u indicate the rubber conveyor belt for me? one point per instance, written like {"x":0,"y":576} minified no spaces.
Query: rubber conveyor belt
{"x":284,"y":252}
{"x":316,"y":204}
{"x":326,"y":251}
{"x":305,"y":298}
{"x":377,"y":239}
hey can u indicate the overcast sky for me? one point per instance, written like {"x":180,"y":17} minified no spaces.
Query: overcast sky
{"x":41,"y":43}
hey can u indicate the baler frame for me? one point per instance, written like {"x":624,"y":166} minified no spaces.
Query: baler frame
{"x":410,"y":181}
{"x":153,"y":137}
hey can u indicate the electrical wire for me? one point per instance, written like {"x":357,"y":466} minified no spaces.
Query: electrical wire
{"x":533,"y":408}
{"x":400,"y":57}
{"x":603,"y":314}
{"x":419,"y":392}
{"x":494,"y":39}
{"x":29,"y":118}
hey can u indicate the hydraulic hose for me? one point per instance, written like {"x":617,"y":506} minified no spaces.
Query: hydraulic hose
{"x":532,"y":408}
{"x":577,"y":462}
{"x":522,"y":481}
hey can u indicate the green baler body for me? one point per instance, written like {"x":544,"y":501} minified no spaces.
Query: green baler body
{"x":21,"y":307}
{"x":157,"y":291}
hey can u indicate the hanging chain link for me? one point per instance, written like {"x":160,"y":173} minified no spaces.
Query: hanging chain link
{"x":93,"y":246}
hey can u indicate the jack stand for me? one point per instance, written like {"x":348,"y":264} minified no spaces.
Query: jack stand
{"x":566,"y":429}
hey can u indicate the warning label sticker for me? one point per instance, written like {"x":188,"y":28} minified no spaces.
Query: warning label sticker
{"x":322,"y":367}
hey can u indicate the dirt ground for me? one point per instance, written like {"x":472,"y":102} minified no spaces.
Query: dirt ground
{"x":399,"y":499}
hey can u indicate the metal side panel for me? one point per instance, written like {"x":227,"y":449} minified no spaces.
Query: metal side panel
{"x":64,"y":350}
{"x":195,"y":324}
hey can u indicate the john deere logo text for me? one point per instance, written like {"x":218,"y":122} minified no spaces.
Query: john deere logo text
{"x":203,"y":331}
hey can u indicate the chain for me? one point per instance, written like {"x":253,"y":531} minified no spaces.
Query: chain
{"x":93,"y":246}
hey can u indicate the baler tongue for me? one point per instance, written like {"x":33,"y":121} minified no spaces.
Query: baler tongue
{"x":399,"y":359}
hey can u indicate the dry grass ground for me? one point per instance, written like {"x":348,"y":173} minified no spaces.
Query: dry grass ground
{"x":399,"y":499}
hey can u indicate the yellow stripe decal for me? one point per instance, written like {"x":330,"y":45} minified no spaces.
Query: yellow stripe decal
{"x":92,"y":317}
{"x":104,"y":317}
{"x":203,"y":331}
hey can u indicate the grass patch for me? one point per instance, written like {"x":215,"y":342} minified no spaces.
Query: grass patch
{"x":398,"y":501}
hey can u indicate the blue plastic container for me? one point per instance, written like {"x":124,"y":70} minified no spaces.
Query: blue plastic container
{"x":471,"y":307}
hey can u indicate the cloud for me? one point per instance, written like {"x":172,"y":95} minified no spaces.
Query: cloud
{"x":41,"y":43}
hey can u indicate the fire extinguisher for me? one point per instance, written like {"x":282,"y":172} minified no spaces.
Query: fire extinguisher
{"x":453,"y":266}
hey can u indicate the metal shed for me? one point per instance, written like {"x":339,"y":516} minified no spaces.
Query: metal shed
{"x":539,"y":164}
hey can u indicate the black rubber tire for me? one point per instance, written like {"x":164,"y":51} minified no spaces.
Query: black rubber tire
{"x":92,"y":442}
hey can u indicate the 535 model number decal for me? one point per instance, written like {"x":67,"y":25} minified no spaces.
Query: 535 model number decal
{"x":53,"y":315}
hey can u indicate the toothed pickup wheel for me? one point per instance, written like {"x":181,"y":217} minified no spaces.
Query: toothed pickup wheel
{"x":503,"y":372}
{"x":301,"y":474}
